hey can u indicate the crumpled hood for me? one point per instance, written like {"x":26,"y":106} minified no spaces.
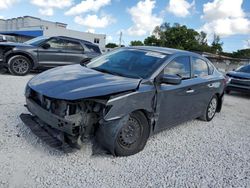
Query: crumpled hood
{"x":239,"y":74}
{"x":76,"y":82}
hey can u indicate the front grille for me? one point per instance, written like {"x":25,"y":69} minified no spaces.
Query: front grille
{"x":57,"y":107}
{"x":243,"y":82}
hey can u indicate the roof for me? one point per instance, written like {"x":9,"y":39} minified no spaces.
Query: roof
{"x":162,"y":49}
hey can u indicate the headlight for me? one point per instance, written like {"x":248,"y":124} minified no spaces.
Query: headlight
{"x":27,"y":91}
{"x":228,"y":79}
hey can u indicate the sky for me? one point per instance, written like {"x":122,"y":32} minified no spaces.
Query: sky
{"x":136,"y":19}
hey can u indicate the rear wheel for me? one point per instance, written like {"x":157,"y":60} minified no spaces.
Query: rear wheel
{"x":227,"y":91}
{"x":19,"y":65}
{"x":211,"y":109}
{"x":132,"y":136}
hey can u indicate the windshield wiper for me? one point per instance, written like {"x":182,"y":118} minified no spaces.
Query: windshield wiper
{"x":105,"y":71}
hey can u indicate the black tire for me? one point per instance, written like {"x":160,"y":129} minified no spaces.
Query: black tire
{"x":227,"y":91}
{"x":211,"y":109}
{"x":132,"y":137}
{"x":19,"y":65}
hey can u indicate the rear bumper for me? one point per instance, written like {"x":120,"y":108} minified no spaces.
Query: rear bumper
{"x":240,"y":88}
{"x":70,"y":127}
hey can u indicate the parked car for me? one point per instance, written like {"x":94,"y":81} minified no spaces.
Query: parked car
{"x":123,"y":97}
{"x":42,"y":52}
{"x":239,"y":80}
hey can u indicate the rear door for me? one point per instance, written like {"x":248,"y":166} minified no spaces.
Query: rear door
{"x":204,"y":84}
{"x":54,"y":55}
{"x":74,"y":52}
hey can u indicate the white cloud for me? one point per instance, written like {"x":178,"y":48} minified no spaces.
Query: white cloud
{"x":225,"y":18}
{"x":143,"y":18}
{"x":4,"y":4}
{"x":109,"y":39}
{"x":87,"y":6}
{"x":180,"y":8}
{"x":47,"y":6}
{"x":93,"y":21}
{"x":90,"y":30}
{"x":246,"y":44}
{"x":46,"y":12}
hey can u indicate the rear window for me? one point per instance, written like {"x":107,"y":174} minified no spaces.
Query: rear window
{"x":200,"y":67}
{"x":93,"y":48}
{"x":210,"y":68}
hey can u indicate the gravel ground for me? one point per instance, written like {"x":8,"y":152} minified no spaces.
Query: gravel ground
{"x":194,"y":154}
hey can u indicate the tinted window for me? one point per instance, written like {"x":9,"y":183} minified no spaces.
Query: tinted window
{"x":200,"y":67}
{"x":128,"y":63}
{"x":93,"y":48}
{"x":179,"y":66}
{"x":245,"y":69}
{"x":210,"y":68}
{"x":56,"y":43}
{"x":70,"y":45}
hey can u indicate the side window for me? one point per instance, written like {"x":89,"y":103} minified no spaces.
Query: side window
{"x":96,"y":40}
{"x":56,"y":43}
{"x":200,"y":67}
{"x":179,"y":66}
{"x":93,"y":48}
{"x":70,"y":45}
{"x":210,"y":68}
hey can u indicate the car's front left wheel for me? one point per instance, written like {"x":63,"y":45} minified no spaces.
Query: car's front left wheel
{"x":133,"y":135}
{"x":19,"y":65}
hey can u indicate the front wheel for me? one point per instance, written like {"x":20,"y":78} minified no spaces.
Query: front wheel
{"x":19,"y":65}
{"x":211,"y":109}
{"x":133,"y":135}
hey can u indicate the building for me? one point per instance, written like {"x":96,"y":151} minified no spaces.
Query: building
{"x":28,"y":27}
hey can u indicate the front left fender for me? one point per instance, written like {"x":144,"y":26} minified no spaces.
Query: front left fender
{"x":142,"y":99}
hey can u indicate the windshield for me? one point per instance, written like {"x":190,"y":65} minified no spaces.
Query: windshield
{"x":245,"y":69}
{"x":36,"y":41}
{"x":128,"y":63}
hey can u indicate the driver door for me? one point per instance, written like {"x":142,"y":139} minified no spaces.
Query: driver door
{"x":175,"y":103}
{"x":54,"y":54}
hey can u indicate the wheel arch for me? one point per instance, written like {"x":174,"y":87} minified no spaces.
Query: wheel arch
{"x":220,"y":101}
{"x":12,"y":54}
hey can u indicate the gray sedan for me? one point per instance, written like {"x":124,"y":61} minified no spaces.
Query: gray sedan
{"x":123,"y":97}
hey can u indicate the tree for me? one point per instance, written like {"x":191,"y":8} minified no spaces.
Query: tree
{"x":111,"y":45}
{"x":245,"y":53}
{"x":152,"y":41}
{"x":136,"y":43}
{"x":216,"y":45}
{"x":180,"y":37}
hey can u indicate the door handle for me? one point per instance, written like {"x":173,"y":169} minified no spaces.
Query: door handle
{"x":190,"y":91}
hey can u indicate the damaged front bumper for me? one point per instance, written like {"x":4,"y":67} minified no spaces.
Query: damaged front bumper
{"x":70,"y":127}
{"x":52,"y":137}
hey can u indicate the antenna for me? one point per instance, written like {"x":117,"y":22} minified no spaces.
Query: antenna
{"x":120,"y":39}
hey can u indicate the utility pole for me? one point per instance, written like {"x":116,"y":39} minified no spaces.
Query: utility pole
{"x":120,"y":39}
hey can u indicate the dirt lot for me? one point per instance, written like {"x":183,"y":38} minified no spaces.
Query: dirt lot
{"x":194,"y":154}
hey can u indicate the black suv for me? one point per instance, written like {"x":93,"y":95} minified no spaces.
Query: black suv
{"x":239,"y":80}
{"x":42,"y":52}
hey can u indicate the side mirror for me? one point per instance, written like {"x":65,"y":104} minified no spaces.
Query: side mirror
{"x":46,"y":46}
{"x":170,"y":79}
{"x":85,"y":61}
